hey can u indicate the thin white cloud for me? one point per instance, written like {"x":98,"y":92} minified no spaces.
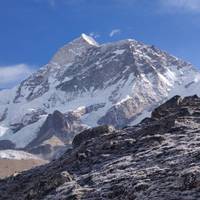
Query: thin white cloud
{"x":51,"y":3}
{"x":11,"y":75}
{"x":94,"y":35}
{"x":182,"y":5}
{"x":114,"y":32}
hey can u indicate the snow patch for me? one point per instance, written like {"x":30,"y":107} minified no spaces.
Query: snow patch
{"x":119,"y":51}
{"x":89,"y":39}
{"x":24,"y":136}
{"x":3,"y":130}
{"x":123,"y":100}
{"x":16,"y":155}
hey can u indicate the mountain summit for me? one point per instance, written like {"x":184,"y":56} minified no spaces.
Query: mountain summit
{"x":67,"y":54}
{"x":88,"y":84}
{"x":89,"y":39}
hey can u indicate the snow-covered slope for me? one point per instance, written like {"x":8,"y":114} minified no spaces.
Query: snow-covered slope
{"x":117,"y":83}
{"x":16,"y":155}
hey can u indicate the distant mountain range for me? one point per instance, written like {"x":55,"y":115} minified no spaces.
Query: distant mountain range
{"x":86,"y":84}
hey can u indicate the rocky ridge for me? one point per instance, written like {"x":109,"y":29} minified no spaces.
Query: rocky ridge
{"x":156,"y":159}
{"x":90,"y":84}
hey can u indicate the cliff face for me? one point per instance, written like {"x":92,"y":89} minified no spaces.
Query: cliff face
{"x":91,"y":84}
{"x":157,"y":159}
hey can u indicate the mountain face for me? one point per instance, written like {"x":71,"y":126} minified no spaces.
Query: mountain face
{"x":157,"y":159}
{"x":55,"y":135}
{"x":89,"y":85}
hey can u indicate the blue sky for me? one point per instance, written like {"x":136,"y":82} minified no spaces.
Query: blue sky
{"x":32,"y":30}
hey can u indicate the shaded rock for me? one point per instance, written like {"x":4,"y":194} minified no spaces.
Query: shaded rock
{"x":6,"y":144}
{"x":156,"y":159}
{"x":190,"y":178}
{"x":55,"y":135}
{"x":91,"y":133}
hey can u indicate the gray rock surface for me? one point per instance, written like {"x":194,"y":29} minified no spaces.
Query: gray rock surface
{"x":54,"y":135}
{"x":158,"y":159}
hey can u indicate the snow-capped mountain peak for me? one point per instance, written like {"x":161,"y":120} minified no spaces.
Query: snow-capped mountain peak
{"x":89,"y":39}
{"x":70,"y":51}
{"x":117,"y":83}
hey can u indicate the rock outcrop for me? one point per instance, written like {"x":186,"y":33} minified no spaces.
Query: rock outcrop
{"x":157,"y":159}
{"x":55,"y":135}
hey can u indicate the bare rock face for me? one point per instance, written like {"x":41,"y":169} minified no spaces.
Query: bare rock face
{"x":157,"y":159}
{"x":54,"y":135}
{"x":6,"y":144}
{"x":121,"y":114}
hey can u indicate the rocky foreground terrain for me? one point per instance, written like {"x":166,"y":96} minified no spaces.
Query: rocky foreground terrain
{"x":157,"y":159}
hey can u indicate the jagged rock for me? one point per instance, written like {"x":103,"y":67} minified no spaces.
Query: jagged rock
{"x":54,"y":135}
{"x":91,"y":133}
{"x":157,"y":159}
{"x":190,"y":178}
{"x":167,"y":107}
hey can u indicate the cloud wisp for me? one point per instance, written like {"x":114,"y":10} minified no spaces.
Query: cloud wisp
{"x":182,"y":5}
{"x":114,"y":32}
{"x":94,"y":35}
{"x":11,"y":75}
